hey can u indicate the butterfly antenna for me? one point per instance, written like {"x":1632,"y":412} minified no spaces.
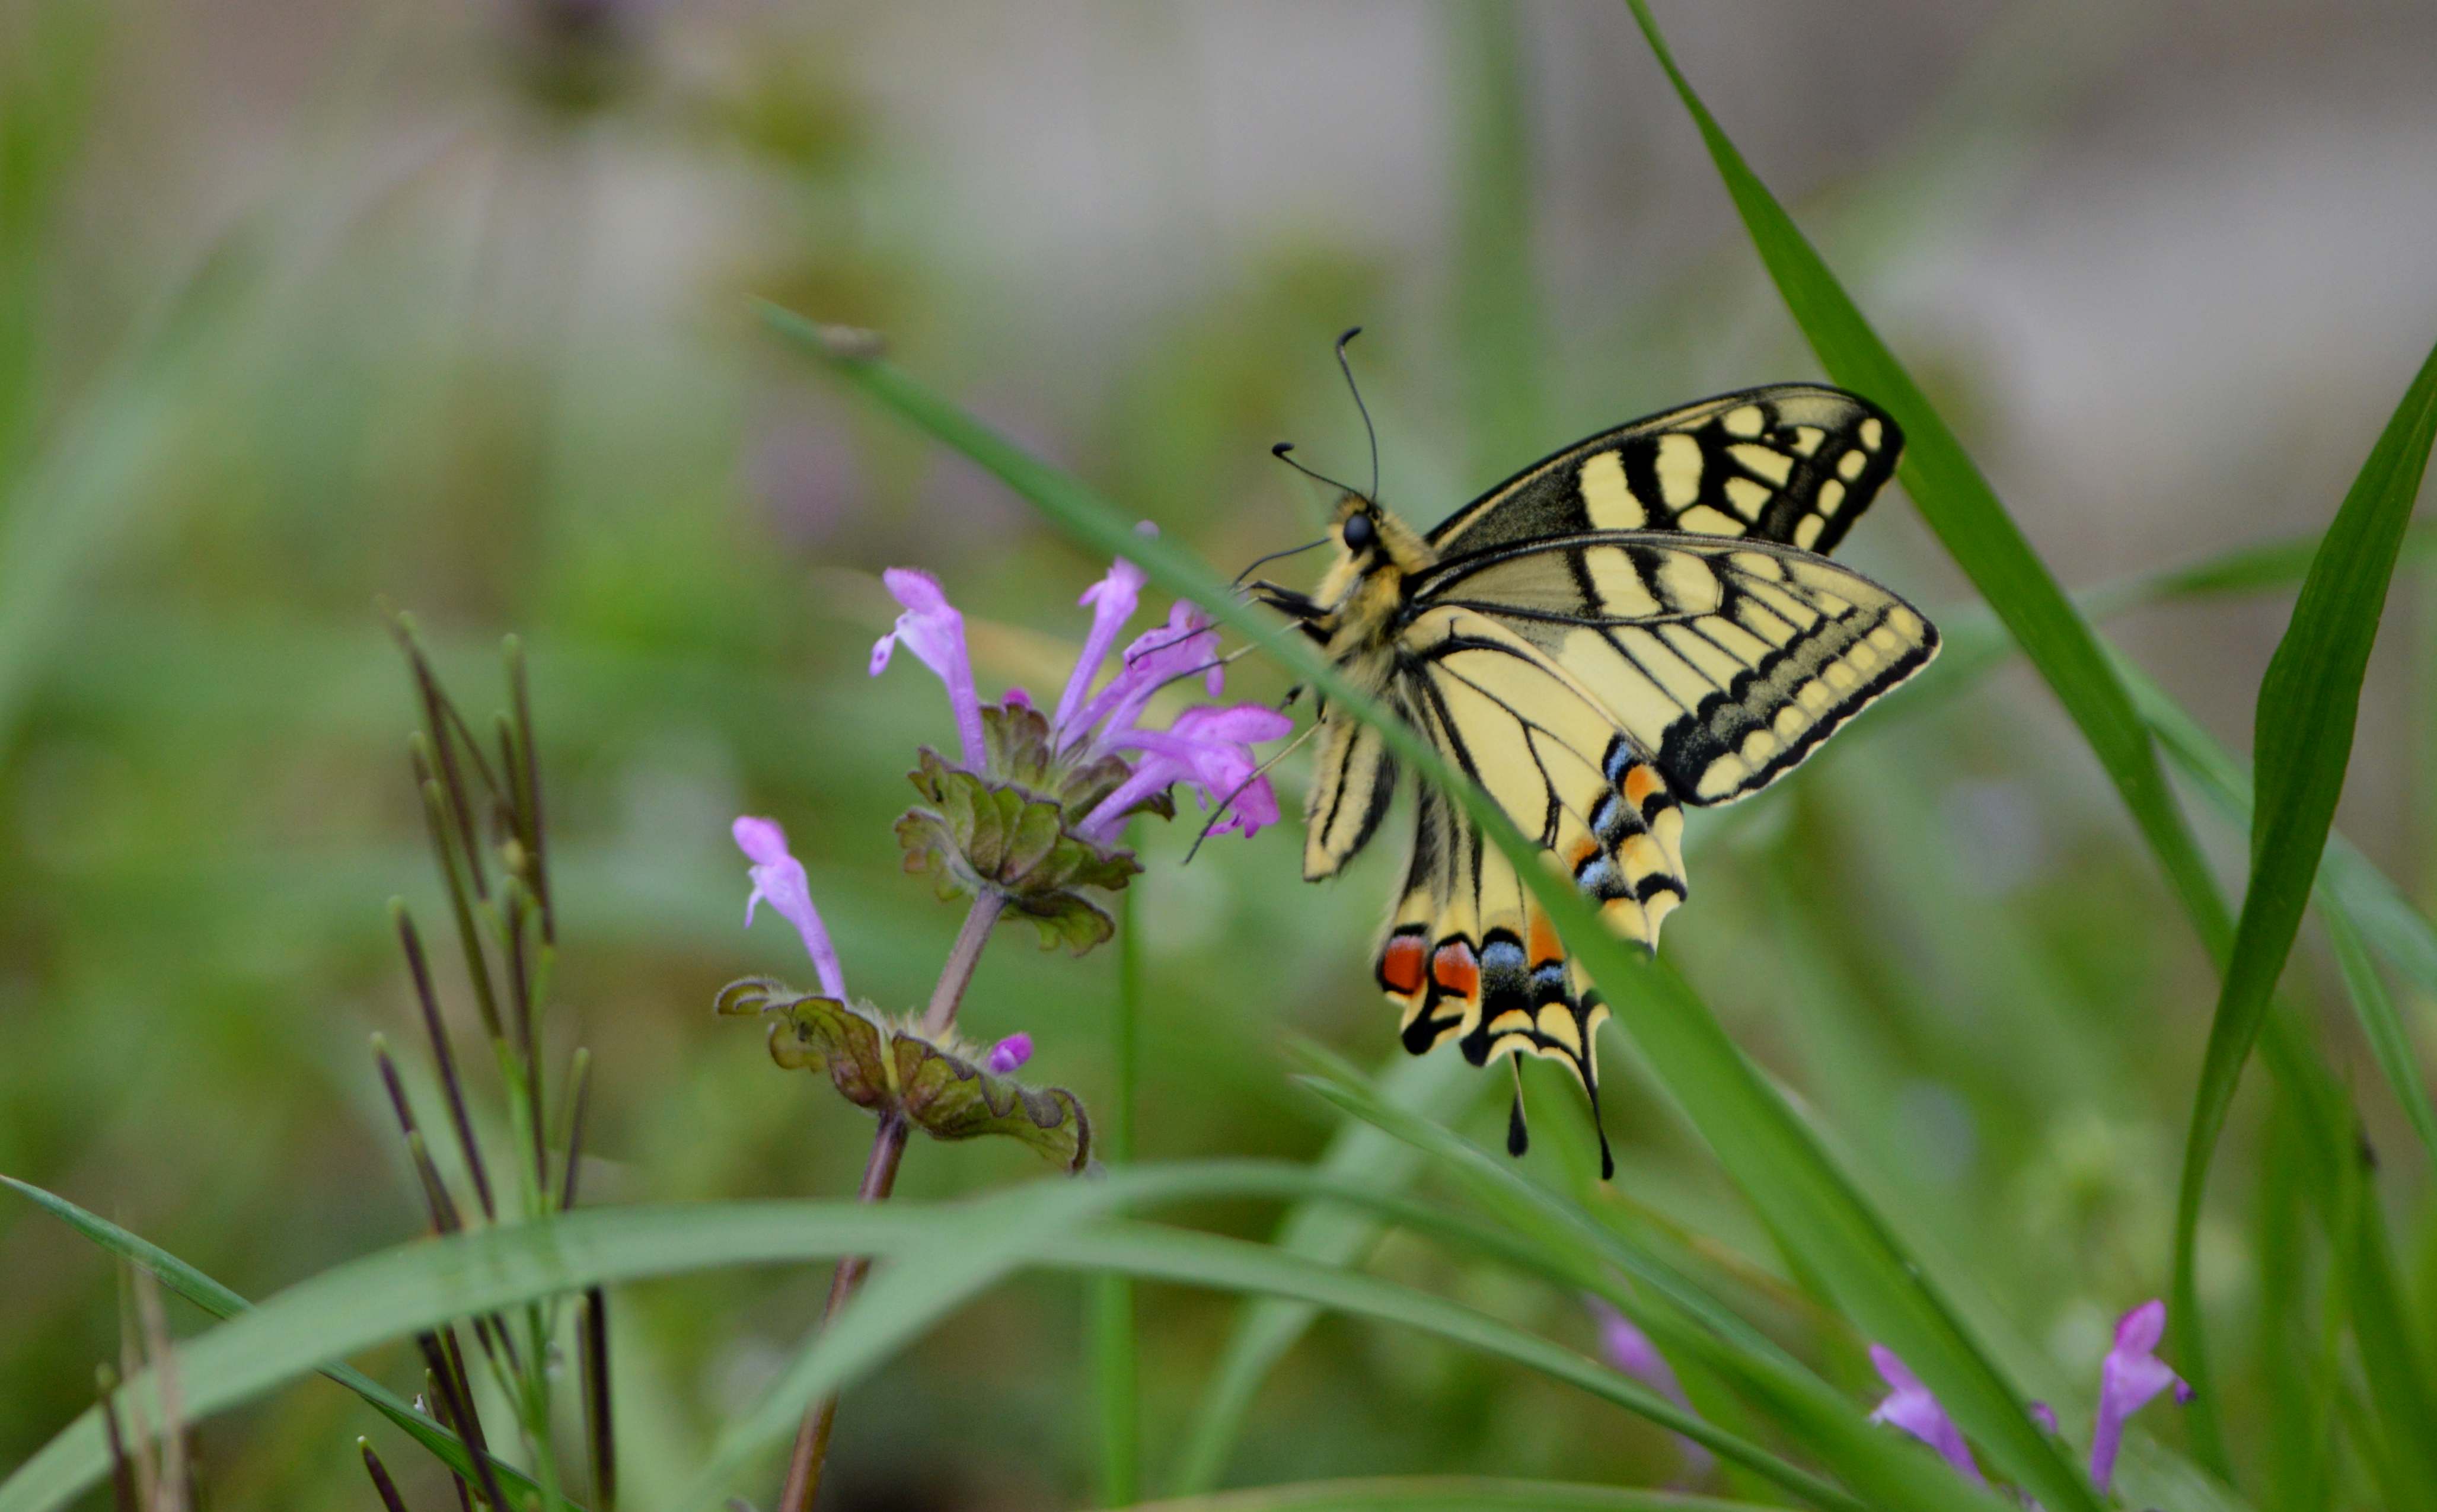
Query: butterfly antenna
{"x":1368,"y":428}
{"x":1281,"y":450}
{"x":1259,"y":562}
{"x":1258,"y":772}
{"x":1519,"y":1138}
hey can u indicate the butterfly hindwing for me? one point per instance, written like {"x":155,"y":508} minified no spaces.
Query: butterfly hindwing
{"x":1354,"y":778}
{"x":1469,"y":956}
{"x":1794,"y":463}
{"x":1728,"y":662}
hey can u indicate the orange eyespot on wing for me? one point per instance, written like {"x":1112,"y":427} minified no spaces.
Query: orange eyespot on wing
{"x":1400,"y":964}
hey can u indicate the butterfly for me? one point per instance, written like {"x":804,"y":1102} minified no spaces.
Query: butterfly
{"x":1646,"y":621}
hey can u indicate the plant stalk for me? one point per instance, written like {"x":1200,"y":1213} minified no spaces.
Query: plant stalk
{"x":879,"y":1178}
{"x":1116,"y":1369}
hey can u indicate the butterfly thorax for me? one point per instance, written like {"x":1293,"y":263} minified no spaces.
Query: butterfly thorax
{"x":1361,"y":600}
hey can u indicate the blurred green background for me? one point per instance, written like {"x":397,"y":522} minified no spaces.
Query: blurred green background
{"x":300,"y":306}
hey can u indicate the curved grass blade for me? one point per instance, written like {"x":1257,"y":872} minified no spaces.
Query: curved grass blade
{"x":1960,"y":507}
{"x":1686,"y":1319}
{"x":221,"y":1302}
{"x":417,"y":1284}
{"x":1764,"y":1145}
{"x":1435,"y":1086}
{"x":1446,"y":1493}
{"x":2309,"y":701}
{"x":2361,"y":910}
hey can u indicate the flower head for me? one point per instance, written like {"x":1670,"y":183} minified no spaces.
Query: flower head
{"x":1034,"y":811}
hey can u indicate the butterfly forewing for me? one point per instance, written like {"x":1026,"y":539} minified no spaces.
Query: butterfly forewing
{"x":1794,"y":463}
{"x":1727,"y":662}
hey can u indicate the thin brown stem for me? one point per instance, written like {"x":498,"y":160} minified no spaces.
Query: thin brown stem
{"x":879,"y":1178}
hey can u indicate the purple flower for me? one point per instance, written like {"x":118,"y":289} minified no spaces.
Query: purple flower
{"x":1207,"y":747}
{"x":2130,"y":1377}
{"x":779,"y":881}
{"x":1112,"y":600}
{"x":1630,"y":1351}
{"x":1009,"y":1053}
{"x":933,"y":630}
{"x":1910,"y":1406}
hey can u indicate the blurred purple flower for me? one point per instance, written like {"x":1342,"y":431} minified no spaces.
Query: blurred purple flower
{"x":1630,"y":1351}
{"x":779,"y":881}
{"x":2130,"y":1377}
{"x":1910,"y":1406}
{"x":1009,"y":1053}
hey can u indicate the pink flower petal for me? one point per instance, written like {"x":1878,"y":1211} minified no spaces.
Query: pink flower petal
{"x":1113,"y":601}
{"x":779,"y":880}
{"x":2128,"y":1379}
{"x":1910,"y":1406}
{"x":934,"y":631}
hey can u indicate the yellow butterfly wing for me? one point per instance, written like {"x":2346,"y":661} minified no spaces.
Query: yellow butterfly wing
{"x":1796,"y":463}
{"x":1469,"y":956}
{"x":1727,"y":662}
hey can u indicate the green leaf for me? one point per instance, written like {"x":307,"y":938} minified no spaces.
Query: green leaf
{"x":886,"y":1069}
{"x":417,"y":1284}
{"x":221,"y":1302}
{"x":2308,"y":703}
{"x":1770,"y":1152}
{"x":1446,"y":1493}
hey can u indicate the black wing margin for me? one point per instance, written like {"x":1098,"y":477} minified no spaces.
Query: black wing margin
{"x":1794,"y":463}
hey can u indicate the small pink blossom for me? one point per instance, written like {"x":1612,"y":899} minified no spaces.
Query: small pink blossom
{"x":1009,"y":1053}
{"x":1113,"y":601}
{"x":1910,"y":1406}
{"x":934,"y":631}
{"x":779,"y":880}
{"x":2130,"y":1377}
{"x":2127,"y":1379}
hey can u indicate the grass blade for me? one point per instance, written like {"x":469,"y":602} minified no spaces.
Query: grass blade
{"x":1683,"y":1317}
{"x":1767,"y":1149}
{"x":1116,"y":1366}
{"x":1446,"y":1493}
{"x":221,"y":1302}
{"x":2309,"y":701}
{"x":1434,"y":1086}
{"x":418,"y":1285}
{"x":1962,"y":509}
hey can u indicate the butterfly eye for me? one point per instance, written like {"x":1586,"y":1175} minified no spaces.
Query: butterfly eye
{"x":1361,"y":534}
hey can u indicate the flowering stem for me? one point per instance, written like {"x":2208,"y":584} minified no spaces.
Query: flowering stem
{"x":1116,"y":1362}
{"x":879,"y":1178}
